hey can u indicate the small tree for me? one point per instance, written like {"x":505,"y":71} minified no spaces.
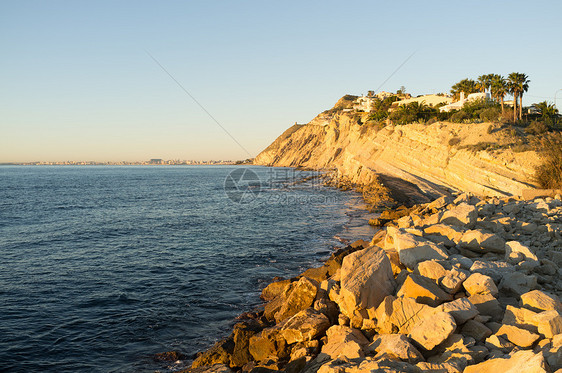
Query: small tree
{"x":548,"y":112}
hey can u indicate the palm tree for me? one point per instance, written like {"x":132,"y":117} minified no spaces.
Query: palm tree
{"x":548,"y":112}
{"x":467,"y":86}
{"x":518,"y":83}
{"x":482,"y":83}
{"x":499,"y":88}
{"x":485,"y":82}
{"x":524,"y":84}
{"x":513,"y":88}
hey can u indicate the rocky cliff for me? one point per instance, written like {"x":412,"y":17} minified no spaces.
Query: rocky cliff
{"x":476,"y":158}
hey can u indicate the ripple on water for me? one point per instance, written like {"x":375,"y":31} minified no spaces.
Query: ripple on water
{"x":104,"y":266}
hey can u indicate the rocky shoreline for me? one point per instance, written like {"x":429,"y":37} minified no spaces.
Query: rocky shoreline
{"x":460,"y":284}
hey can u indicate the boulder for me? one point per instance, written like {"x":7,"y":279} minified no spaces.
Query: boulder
{"x":413,"y":249}
{"x":494,"y":342}
{"x":520,"y":361}
{"x":423,"y":290}
{"x":520,"y":317}
{"x":304,"y":326}
{"x":336,"y":259}
{"x":516,"y":252}
{"x":452,"y":282}
{"x":512,"y":208}
{"x":456,"y":343}
{"x":404,"y":314}
{"x":487,"y":305}
{"x":482,"y":242}
{"x":549,"y":323}
{"x":343,"y":341}
{"x":518,"y":283}
{"x":519,"y":337}
{"x":301,"y":297}
{"x":241,"y":337}
{"x":395,"y":263}
{"x":431,"y":269}
{"x":538,"y":300}
{"x":433,"y":330}
{"x":440,"y":202}
{"x":268,"y":345}
{"x":274,"y":305}
{"x":478,"y":283}
{"x":450,"y":232}
{"x":329,"y":308}
{"x":366,"y":279}
{"x":445,"y":367}
{"x":220,"y":353}
{"x":463,"y":215}
{"x":440,"y":240}
{"x":383,"y":316}
{"x":466,"y":198}
{"x":274,"y":289}
{"x":495,"y":269}
{"x":317,"y":274}
{"x":476,"y":330}
{"x":366,"y":365}
{"x":385,"y":365}
{"x":168,"y":356}
{"x":461,"y":309}
{"x":464,"y":262}
{"x":431,"y":219}
{"x":395,"y":345}
{"x":305,"y":349}
{"x":332,"y":288}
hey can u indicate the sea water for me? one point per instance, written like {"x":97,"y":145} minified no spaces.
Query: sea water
{"x":102,"y":267}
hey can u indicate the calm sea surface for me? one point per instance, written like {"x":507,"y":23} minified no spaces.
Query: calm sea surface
{"x":101,"y":267}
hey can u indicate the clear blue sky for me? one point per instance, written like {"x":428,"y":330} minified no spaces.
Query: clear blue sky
{"x":77,"y":83}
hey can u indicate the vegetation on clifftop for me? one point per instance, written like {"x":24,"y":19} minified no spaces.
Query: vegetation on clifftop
{"x":549,"y":174}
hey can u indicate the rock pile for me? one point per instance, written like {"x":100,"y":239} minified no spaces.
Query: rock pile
{"x":457,"y":285}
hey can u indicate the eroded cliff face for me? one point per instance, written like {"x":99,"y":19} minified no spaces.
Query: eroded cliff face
{"x":435,"y":157}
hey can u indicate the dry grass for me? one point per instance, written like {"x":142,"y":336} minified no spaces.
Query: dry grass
{"x":549,"y":174}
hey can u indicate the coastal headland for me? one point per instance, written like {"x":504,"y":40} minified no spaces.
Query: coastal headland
{"x":463,"y":277}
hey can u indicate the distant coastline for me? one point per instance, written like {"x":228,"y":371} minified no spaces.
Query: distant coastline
{"x":151,"y":162}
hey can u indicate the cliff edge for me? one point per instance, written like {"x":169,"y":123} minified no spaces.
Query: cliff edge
{"x":481,"y":158}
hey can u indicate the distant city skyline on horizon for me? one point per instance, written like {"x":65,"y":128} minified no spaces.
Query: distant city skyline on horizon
{"x":150,"y":162}
{"x":80,"y":83}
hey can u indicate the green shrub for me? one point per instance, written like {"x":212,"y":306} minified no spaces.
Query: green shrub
{"x":491,"y":114}
{"x":459,"y":116}
{"x":402,"y":117}
{"x":536,"y":128}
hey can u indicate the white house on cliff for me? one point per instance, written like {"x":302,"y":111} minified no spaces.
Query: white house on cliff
{"x":460,"y":103}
